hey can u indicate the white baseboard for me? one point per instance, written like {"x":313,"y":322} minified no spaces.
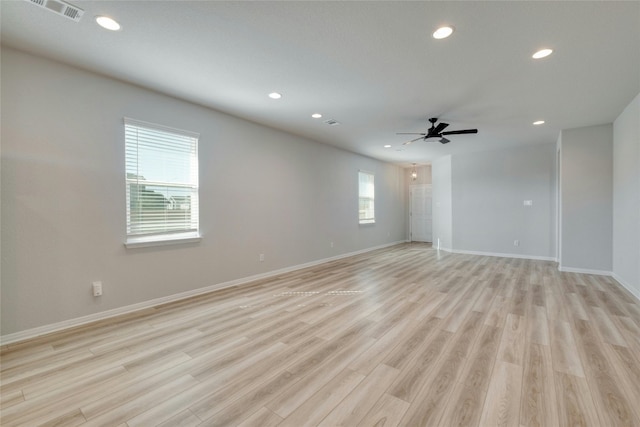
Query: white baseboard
{"x":620,"y":280}
{"x":500,"y":255}
{"x":584,"y":271}
{"x":79,"y":321}
{"x":627,"y":286}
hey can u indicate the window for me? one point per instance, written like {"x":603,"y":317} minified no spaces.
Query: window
{"x":366,"y":196}
{"x":162,"y":184}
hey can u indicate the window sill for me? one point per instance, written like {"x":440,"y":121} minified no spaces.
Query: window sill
{"x":173,"y":239}
{"x":368,"y":222}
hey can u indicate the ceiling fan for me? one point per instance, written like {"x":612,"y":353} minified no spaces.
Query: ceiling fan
{"x":436,"y":132}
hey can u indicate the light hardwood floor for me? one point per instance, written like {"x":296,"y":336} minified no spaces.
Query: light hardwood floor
{"x":400,"y":336}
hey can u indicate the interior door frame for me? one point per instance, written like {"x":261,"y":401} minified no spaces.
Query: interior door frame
{"x":411,"y":188}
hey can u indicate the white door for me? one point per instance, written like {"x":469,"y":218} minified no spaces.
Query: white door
{"x":421,"y":214}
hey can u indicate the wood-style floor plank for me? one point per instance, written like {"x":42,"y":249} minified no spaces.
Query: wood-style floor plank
{"x":513,"y":338}
{"x":564,"y":349}
{"x":387,"y":412}
{"x":503,"y":408}
{"x":314,"y":409}
{"x":575,"y":403}
{"x":183,"y":419}
{"x":261,"y":418}
{"x":538,"y":404}
{"x":628,"y":373}
{"x":466,"y":402}
{"x":612,"y":406}
{"x":358,"y":403}
{"x":401,"y":336}
{"x":432,"y":397}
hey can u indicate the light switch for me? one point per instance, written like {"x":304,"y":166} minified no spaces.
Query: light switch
{"x":528,"y":202}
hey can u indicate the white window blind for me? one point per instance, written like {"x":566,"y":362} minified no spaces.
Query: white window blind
{"x":162,"y":181}
{"x":366,"y":198}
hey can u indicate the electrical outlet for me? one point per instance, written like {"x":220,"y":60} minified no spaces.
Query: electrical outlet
{"x":516,"y":243}
{"x":261,"y":258}
{"x":97,"y":289}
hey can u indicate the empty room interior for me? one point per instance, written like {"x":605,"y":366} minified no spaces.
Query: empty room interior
{"x":350,"y":213}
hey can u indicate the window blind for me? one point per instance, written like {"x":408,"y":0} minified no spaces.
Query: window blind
{"x":162,"y":180}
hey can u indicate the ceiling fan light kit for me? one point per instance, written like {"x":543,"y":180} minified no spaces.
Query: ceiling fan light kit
{"x":436,"y":132}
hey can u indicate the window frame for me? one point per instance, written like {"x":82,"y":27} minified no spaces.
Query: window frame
{"x":361,"y":197}
{"x":164,"y":237}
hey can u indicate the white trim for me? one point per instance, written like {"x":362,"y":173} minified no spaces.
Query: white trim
{"x":161,"y":128}
{"x":559,"y":198}
{"x":627,"y":286}
{"x":413,"y":187}
{"x":584,"y":271}
{"x":79,"y":321}
{"x":161,"y":240}
{"x":500,"y":255}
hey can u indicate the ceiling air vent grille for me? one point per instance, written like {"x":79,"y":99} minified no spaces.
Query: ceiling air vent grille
{"x":61,"y":8}
{"x":332,"y":122}
{"x":72,"y":13}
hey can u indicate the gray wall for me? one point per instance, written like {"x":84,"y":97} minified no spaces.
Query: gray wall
{"x":63,"y":197}
{"x":587,"y":198}
{"x":489,"y":190}
{"x":626,"y":197}
{"x":441,"y":199}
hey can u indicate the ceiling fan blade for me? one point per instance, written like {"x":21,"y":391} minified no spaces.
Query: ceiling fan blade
{"x":413,"y":140}
{"x":460,"y":132}
{"x":410,"y":133}
{"x":444,"y":140}
{"x":441,"y":126}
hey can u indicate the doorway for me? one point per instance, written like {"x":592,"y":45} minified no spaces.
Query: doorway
{"x":420,"y":213}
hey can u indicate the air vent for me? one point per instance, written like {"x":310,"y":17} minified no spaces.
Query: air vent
{"x":61,"y":8}
{"x":332,"y":122}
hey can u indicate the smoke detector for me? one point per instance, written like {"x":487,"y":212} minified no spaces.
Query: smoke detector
{"x":61,"y":8}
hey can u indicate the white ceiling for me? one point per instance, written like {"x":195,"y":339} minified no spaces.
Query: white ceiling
{"x":373,"y":66}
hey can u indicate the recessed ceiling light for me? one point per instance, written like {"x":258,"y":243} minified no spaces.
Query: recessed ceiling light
{"x":275,"y":95}
{"x":539,"y":122}
{"x":316,"y":115}
{"x":387,"y":146}
{"x":443,"y":32}
{"x":542,"y":53}
{"x":107,"y":23}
